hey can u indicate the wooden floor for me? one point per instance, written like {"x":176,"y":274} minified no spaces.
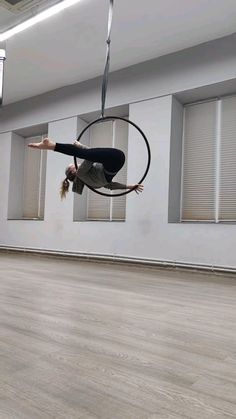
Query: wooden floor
{"x":85,"y":341}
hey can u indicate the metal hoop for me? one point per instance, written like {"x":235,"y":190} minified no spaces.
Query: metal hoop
{"x":109,"y":118}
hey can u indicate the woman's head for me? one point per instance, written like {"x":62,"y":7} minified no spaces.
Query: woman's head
{"x":70,"y":173}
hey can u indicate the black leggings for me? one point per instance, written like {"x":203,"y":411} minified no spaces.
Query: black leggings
{"x":111,"y":158}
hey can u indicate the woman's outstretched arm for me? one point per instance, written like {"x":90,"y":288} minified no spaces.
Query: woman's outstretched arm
{"x":115,"y":185}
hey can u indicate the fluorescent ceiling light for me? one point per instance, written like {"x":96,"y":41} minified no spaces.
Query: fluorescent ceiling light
{"x":38,"y":18}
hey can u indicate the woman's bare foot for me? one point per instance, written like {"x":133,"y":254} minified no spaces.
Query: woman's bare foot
{"x":45,"y":144}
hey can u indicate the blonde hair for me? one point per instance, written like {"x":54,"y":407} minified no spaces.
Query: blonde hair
{"x":65,"y":185}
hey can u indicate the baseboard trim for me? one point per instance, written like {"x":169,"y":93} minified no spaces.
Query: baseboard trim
{"x":119,"y":259}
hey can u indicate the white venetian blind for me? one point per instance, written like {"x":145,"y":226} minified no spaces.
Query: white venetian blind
{"x":121,"y":141}
{"x":42,"y":189}
{"x":101,"y":135}
{"x":109,"y":134}
{"x":227,"y":189}
{"x":199,"y":156}
{"x":34,"y":180}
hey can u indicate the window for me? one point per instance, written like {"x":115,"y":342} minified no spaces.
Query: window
{"x":27,"y":179}
{"x":209,"y":161}
{"x":91,"y":206}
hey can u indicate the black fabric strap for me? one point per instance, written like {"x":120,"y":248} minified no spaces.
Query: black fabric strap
{"x":107,"y":65}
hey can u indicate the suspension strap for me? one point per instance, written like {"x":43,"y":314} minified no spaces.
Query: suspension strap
{"x":107,"y":65}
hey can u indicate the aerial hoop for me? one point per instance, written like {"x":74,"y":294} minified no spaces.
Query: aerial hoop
{"x":109,"y":118}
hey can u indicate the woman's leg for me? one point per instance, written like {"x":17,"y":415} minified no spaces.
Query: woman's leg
{"x":111,"y":158}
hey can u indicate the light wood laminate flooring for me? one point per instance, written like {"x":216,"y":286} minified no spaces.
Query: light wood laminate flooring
{"x":82,"y":340}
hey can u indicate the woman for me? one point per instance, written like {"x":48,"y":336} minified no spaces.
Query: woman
{"x":99,"y":167}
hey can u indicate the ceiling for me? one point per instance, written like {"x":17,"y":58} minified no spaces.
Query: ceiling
{"x":70,"y":47}
{"x":13,"y":12}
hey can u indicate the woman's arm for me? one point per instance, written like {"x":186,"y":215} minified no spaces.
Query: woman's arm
{"x":115,"y":185}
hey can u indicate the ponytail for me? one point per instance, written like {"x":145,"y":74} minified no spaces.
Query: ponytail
{"x":64,"y":188}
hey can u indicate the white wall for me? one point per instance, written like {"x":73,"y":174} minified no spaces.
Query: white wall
{"x":146,"y":232}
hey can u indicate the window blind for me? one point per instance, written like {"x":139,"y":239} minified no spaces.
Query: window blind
{"x":227,"y":189}
{"x":109,"y":134}
{"x":42,"y":189}
{"x":120,"y":137}
{"x":199,"y":155}
{"x":101,"y":135}
{"x":34,"y":180}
